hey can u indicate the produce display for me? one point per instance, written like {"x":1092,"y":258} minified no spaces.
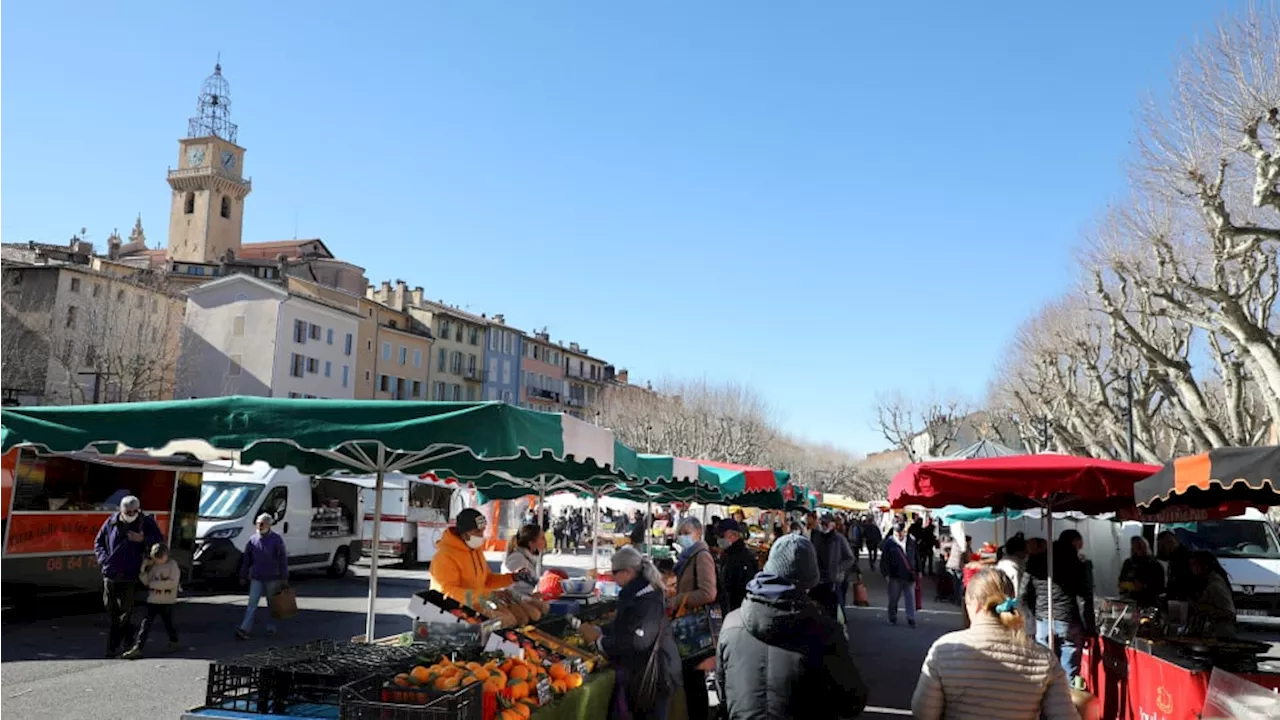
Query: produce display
{"x":504,"y":607}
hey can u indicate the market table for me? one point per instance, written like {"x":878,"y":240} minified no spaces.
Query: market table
{"x":1130,"y":683}
{"x":591,"y":701}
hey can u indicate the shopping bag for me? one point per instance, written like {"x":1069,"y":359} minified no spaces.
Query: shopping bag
{"x":861,"y":597}
{"x":696,"y":632}
{"x":284,"y":604}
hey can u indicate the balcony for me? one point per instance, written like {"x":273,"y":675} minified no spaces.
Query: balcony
{"x":189,"y":176}
{"x":540,"y":394}
{"x":575,"y":402}
{"x":474,"y":374}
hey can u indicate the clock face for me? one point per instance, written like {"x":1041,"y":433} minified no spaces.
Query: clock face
{"x":228,"y":160}
{"x":195,"y":156}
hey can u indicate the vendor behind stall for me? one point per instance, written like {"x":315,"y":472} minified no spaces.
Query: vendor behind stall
{"x":1141,"y":576}
{"x":459,"y":569}
{"x":528,"y":544}
{"x":1212,"y":603}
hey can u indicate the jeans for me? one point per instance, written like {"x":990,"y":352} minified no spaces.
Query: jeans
{"x":165,"y":613}
{"x":906,"y":589}
{"x":117,"y":598}
{"x":259,"y":590}
{"x":1067,"y":637}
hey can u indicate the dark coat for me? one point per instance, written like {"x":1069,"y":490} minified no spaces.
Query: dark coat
{"x":835,"y":557}
{"x":1071,"y":585}
{"x":780,"y":656}
{"x":640,"y":621}
{"x":738,"y":566}
{"x":894,"y":565}
{"x":120,"y":557}
{"x":1148,"y":574}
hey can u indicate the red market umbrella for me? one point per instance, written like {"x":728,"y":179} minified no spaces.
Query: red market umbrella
{"x":1062,"y":483}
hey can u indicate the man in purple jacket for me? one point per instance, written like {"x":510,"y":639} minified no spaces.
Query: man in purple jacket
{"x":265,"y":565}
{"x":122,"y":543}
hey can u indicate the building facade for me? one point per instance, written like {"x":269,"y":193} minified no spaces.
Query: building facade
{"x":541,"y":363}
{"x":584,"y":377}
{"x":503,"y":348}
{"x":244,"y":336}
{"x":457,"y":363}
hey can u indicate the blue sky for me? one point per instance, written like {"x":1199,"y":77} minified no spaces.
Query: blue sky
{"x":822,"y":200}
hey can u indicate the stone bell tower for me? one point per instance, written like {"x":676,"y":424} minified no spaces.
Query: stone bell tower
{"x":206,"y":215}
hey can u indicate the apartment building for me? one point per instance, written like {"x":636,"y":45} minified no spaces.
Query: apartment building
{"x":502,"y":361}
{"x":542,"y":373}
{"x":584,"y":377}
{"x":74,"y":334}
{"x":458,"y":360}
{"x":246,"y":336}
{"x":393,"y":350}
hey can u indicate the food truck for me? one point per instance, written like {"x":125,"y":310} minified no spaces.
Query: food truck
{"x":415,"y":513}
{"x":54,"y":506}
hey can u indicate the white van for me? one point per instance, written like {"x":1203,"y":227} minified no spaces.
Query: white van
{"x":315,"y":516}
{"x":415,"y":513}
{"x":1249,"y":550}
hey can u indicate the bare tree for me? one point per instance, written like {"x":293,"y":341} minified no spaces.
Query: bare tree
{"x":922,"y":429}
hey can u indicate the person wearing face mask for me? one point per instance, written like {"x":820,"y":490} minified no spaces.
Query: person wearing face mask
{"x":738,"y":565}
{"x":265,"y":566}
{"x":121,"y":545}
{"x":835,"y":560}
{"x":695,"y":588}
{"x":530,"y":542}
{"x":459,"y":569}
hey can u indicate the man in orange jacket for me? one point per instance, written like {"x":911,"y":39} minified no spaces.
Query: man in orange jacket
{"x":459,"y":569}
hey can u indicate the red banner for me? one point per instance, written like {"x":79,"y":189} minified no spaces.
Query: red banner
{"x":58,"y":532}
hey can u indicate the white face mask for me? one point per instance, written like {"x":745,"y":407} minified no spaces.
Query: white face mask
{"x":129,"y":517}
{"x":685,"y":541}
{"x":475,"y":542}
{"x":264,"y":529}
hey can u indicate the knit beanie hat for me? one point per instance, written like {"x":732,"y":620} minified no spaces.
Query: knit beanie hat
{"x":793,"y":557}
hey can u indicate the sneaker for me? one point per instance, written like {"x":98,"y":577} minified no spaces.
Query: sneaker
{"x":173,"y":646}
{"x":241,"y":634}
{"x":132,"y":653}
{"x":911,"y":624}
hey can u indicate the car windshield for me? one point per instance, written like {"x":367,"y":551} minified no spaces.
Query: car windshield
{"x":1230,"y":538}
{"x":227,"y":500}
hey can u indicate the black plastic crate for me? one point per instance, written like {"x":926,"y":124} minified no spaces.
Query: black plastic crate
{"x":238,"y":687}
{"x":369,"y":699}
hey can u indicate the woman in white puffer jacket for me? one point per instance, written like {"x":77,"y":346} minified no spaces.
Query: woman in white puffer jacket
{"x":992,"y":670}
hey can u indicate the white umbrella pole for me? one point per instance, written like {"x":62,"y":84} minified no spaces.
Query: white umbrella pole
{"x":595,"y":530}
{"x":1049,"y":515}
{"x":542,"y":501}
{"x":372,"y":614}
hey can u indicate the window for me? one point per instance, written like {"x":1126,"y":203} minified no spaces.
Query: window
{"x":120,"y":296}
{"x":440,"y":361}
{"x":404,"y":355}
{"x":71,"y":316}
{"x":493,"y":341}
{"x":328,"y":369}
{"x":226,"y":207}
{"x":506,"y":396}
{"x":366,"y":376}
{"x":137,"y":301}
{"x":471,"y":393}
{"x":455,"y":392}
{"x":417,"y":388}
{"x":237,"y":361}
{"x":276,"y":503}
{"x":417,"y":358}
{"x":294,"y":395}
{"x":297,"y":365}
{"x":386,"y":351}
{"x":368,"y":345}
{"x":300,"y":331}
{"x":313,"y":365}
{"x":457,"y":333}
{"x":97,"y":289}
{"x":439,"y":392}
{"x":473,"y":337}
{"x":237,"y":326}
{"x":315,"y":331}
{"x":444,"y":329}
{"x":347,"y":346}
{"x":346,"y":374}
{"x":328,"y":336}
{"x":75,"y":285}
{"x":189,"y":204}
{"x":384,"y":383}
{"x":471,"y":365}
{"x":455,"y":363}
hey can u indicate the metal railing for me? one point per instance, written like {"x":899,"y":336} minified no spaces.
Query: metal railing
{"x":177,"y":173}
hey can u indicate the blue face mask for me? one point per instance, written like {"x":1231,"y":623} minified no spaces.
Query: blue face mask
{"x":685,"y":541}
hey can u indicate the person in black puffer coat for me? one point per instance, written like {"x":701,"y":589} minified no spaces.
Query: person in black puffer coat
{"x":1072,"y":598}
{"x":737,"y":566}
{"x":630,"y":639}
{"x":780,"y":656}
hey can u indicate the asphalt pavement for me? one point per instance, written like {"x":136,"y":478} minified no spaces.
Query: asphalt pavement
{"x":51,"y":663}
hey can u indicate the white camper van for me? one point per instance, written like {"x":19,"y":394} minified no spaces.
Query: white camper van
{"x":415,"y":512}
{"x":315,"y":516}
{"x":1249,"y":550}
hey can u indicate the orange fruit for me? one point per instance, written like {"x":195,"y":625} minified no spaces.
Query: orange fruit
{"x":446,"y":683}
{"x":521,"y":710}
{"x":519,"y":689}
{"x":419,"y":675}
{"x":573,"y":680}
{"x":402,"y":680}
{"x":481,"y":674}
{"x":493,"y":685}
{"x":520,"y":672}
{"x":559,"y":687}
{"x":469,"y":680}
{"x":557,"y":671}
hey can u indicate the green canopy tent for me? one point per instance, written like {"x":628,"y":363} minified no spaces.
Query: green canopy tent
{"x":465,"y":440}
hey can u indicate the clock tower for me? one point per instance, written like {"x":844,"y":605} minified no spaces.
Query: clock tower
{"x":206,"y":215}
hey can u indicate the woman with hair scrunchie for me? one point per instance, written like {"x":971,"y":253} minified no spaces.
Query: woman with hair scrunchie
{"x":992,"y":670}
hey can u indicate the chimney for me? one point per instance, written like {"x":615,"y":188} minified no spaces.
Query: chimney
{"x":416,"y":296}
{"x":622,"y":376}
{"x":113,"y":247}
{"x":402,"y":289}
{"x":384,"y":291}
{"x":574,"y":347}
{"x":500,"y":319}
